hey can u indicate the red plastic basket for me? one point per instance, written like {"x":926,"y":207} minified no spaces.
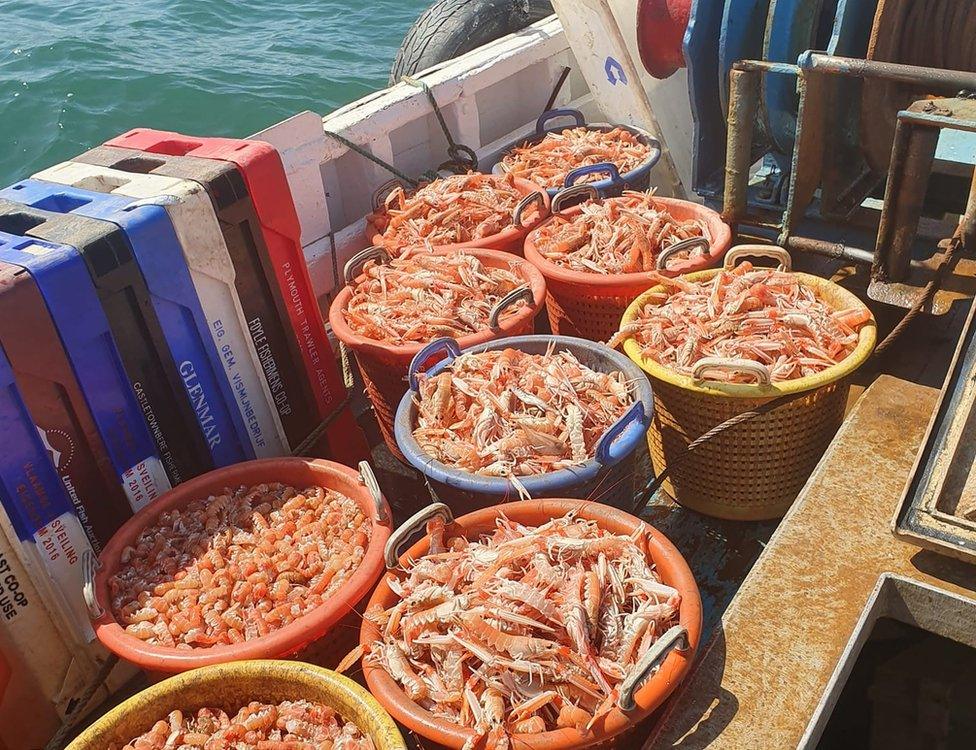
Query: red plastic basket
{"x":384,"y":366}
{"x":590,"y":305}
{"x":264,"y":175}
{"x":335,"y":618}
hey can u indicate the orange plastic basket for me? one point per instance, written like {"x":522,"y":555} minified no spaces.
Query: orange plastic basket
{"x":590,"y":305}
{"x":509,"y":240}
{"x":334,"y":618}
{"x":384,"y":366}
{"x":621,"y":728}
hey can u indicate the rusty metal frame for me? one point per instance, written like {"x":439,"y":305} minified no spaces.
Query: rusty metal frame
{"x":896,"y":277}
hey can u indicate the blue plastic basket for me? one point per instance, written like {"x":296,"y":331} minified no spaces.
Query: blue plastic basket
{"x":616,"y":183}
{"x":62,"y":278}
{"x":157,"y":251}
{"x":609,"y":477}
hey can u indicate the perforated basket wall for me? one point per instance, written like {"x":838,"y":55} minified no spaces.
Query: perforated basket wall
{"x":753,"y":471}
{"x":575,"y":311}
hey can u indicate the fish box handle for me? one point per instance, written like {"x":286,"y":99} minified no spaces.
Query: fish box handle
{"x":383,"y":191}
{"x":566,"y":194}
{"x":90,"y":566}
{"x":368,"y":478}
{"x":760,"y":251}
{"x":604,"y":167}
{"x":536,"y":197}
{"x":552,"y":114}
{"x":606,"y":451}
{"x":675,"y":638}
{"x":394,"y":545}
{"x":519,"y":293}
{"x":689,"y":244}
{"x":748,"y":366}
{"x":354,"y":265}
{"x":447,"y":346}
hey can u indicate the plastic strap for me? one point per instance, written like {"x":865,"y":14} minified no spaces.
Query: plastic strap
{"x":522,"y":292}
{"x":536,"y":197}
{"x":447,"y":345}
{"x":392,"y":551}
{"x":552,"y":114}
{"x":674,"y":638}
{"x":604,"y":167}
{"x":575,"y":191}
{"x":356,"y":262}
{"x":605,"y":451}
{"x":677,"y":247}
{"x":732,"y":365}
{"x":760,"y":251}
{"x":383,"y":514}
{"x":90,"y":566}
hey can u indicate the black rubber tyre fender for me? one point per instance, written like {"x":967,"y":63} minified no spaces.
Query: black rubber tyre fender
{"x":449,"y":28}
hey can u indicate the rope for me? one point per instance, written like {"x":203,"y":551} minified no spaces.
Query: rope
{"x":955,"y":244}
{"x":463,"y":159}
{"x":315,"y":434}
{"x":375,"y":159}
{"x":58,"y":741}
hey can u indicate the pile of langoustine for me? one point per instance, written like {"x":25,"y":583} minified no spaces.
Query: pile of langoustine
{"x":289,"y":725}
{"x":625,"y":234}
{"x":525,"y":630}
{"x":509,"y":413}
{"x":419,"y":296}
{"x":236,"y":566}
{"x":763,"y":315}
{"x":448,"y":210}
{"x":547,"y":162}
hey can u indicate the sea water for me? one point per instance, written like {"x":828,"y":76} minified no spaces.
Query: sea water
{"x":74,"y":73}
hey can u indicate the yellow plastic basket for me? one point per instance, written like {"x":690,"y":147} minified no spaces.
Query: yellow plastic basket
{"x":755,"y":470}
{"x":230,"y":686}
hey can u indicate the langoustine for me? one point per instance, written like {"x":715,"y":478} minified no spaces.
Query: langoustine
{"x":763,"y":315}
{"x":236,"y":566}
{"x":289,"y":725}
{"x":449,"y":210}
{"x":524,"y":630}
{"x":548,"y":161}
{"x":419,"y":296}
{"x":509,"y":413}
{"x":617,"y":235}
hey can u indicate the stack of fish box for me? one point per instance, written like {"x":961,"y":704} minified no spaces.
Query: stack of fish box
{"x":156,"y":321}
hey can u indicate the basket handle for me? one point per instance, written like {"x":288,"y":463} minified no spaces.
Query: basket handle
{"x":89,"y":566}
{"x":536,"y":197}
{"x":675,"y":638}
{"x":354,"y":265}
{"x":392,"y":550}
{"x":689,"y":244}
{"x":601,"y":168}
{"x":519,"y":293}
{"x":366,"y":474}
{"x":760,"y":251}
{"x":383,"y":191}
{"x":446,"y":345}
{"x":552,"y":114}
{"x":606,"y":453}
{"x":735,"y":365}
{"x":575,"y":191}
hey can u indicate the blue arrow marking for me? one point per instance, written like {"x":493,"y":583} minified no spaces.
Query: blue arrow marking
{"x":615,"y":71}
